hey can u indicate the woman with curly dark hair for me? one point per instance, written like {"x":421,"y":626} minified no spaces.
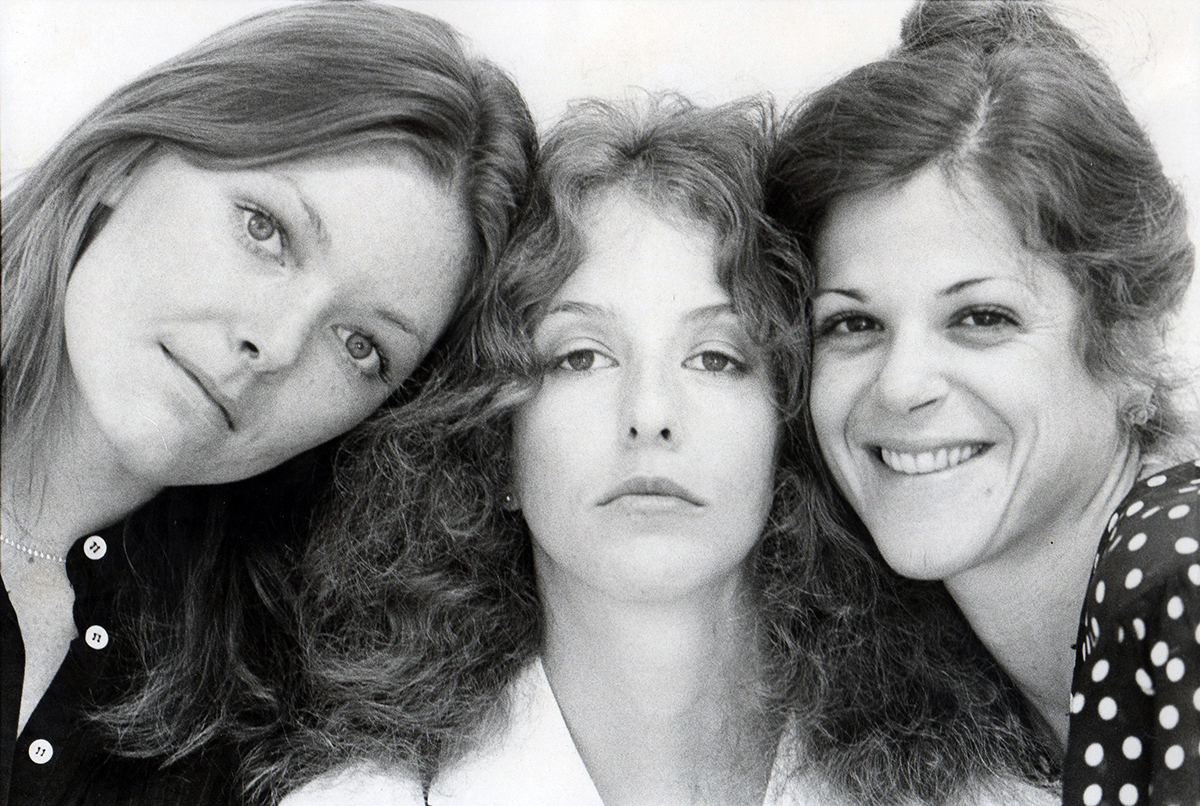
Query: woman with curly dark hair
{"x":600,"y":564}
{"x":194,"y":293}
{"x":997,"y":254}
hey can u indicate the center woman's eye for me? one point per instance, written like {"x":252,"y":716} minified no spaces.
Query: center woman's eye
{"x":714,"y":361}
{"x":579,"y":360}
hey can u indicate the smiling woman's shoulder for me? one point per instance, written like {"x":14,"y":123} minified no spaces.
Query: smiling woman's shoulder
{"x":359,"y":785}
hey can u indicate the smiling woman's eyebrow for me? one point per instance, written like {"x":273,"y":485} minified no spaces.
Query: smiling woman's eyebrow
{"x":962,"y":285}
{"x":858,"y":296}
{"x":582,"y":309}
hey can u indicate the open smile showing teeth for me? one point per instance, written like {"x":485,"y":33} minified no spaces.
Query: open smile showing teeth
{"x":914,"y":464}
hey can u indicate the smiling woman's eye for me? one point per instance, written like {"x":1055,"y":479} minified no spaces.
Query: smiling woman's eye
{"x":846,"y":323}
{"x":714,"y":361}
{"x":263,"y":231}
{"x":985,"y":317}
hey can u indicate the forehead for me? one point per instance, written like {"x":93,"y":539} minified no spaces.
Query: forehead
{"x":630,"y":242}
{"x":927,"y":227}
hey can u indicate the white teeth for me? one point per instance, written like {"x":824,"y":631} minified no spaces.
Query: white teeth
{"x":913,"y":464}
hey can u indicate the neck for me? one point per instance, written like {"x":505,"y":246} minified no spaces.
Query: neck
{"x":63,"y":487}
{"x":659,"y":695}
{"x":1025,"y":606}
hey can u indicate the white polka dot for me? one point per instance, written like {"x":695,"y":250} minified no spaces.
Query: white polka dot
{"x":1175,"y":607}
{"x":1113,"y":520}
{"x":1100,"y":589}
{"x":1139,"y":627}
{"x":1133,"y":578}
{"x":1160,"y":653}
{"x":1120,"y":635}
{"x":1144,"y":682}
{"x":1173,"y":758}
{"x":1100,"y":670}
{"x":1196,"y":700}
{"x":1156,"y":481}
{"x":1094,"y":754}
{"x":1137,"y":541}
{"x":1194,"y":574}
{"x":1077,"y":701}
{"x":1168,"y":717}
{"x":1186,"y":545}
{"x":1148,"y":513}
{"x":1128,"y":795}
{"x":1095,"y":628}
{"x":1175,"y":670}
{"x":1107,"y":708}
{"x":1132,"y":747}
{"x":1135,"y":508}
{"x":1177,"y":512}
{"x":1092,"y":795}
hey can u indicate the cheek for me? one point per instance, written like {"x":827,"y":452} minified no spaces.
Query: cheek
{"x":831,"y":398}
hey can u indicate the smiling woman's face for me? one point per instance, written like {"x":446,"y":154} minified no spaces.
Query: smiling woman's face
{"x":222,"y":322}
{"x":949,"y":394}
{"x":645,"y":462}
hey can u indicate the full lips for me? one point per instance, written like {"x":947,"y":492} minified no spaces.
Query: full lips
{"x":202,"y":386}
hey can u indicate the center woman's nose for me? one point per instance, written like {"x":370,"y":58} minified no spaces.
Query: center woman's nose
{"x":651,"y":405}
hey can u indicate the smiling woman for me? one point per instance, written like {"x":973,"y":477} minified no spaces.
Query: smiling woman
{"x":195,"y":294}
{"x":997,"y":257}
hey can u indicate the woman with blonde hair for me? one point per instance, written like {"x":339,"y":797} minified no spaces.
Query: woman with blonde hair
{"x":231,"y":261}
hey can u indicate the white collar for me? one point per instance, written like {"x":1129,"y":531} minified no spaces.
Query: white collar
{"x":534,"y":762}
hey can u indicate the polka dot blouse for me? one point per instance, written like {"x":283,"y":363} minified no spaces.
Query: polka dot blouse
{"x":1135,"y":702}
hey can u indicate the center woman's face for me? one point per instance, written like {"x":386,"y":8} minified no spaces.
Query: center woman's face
{"x":645,"y":462}
{"x":222,"y":322}
{"x":949,"y":394}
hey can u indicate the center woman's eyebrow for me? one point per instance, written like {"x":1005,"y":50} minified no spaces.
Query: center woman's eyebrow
{"x":604,"y":312}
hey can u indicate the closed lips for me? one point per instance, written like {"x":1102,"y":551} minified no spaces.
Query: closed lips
{"x":931,"y":461}
{"x":642,"y":485}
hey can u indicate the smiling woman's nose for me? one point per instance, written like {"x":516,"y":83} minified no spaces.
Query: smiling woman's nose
{"x":910,"y":376}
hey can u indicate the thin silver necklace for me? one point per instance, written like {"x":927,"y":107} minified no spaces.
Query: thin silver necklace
{"x":34,"y":554}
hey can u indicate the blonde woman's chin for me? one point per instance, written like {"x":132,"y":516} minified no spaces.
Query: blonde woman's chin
{"x":359,"y":785}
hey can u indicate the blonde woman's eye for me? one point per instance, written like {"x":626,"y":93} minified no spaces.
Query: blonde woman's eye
{"x":263,"y":231}
{"x":259,"y":226}
{"x":359,"y":346}
{"x":365,"y":353}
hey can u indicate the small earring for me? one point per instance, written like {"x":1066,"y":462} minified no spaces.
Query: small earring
{"x":509,"y":503}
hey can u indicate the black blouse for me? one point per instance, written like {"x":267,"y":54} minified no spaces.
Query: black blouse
{"x":1135,"y":704}
{"x":60,"y":758}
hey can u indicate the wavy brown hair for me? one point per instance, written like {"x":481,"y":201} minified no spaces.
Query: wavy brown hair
{"x":1000,"y":91}
{"x":421,"y":604}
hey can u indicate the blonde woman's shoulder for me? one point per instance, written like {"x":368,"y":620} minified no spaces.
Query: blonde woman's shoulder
{"x":360,"y":785}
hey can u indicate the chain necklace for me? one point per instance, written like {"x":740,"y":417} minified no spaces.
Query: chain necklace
{"x":34,"y":554}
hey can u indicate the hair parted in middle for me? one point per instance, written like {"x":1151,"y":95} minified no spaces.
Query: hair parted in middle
{"x":422,"y":603}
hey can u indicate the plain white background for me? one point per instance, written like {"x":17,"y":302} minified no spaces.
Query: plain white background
{"x":60,"y":57}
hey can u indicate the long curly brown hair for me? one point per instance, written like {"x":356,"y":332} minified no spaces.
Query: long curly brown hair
{"x":421,"y":600}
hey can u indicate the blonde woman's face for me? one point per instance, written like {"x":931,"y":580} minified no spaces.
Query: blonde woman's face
{"x":222,"y":322}
{"x":645,"y":462}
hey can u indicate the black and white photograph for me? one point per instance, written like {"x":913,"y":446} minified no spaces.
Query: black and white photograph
{"x":600,"y":403}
